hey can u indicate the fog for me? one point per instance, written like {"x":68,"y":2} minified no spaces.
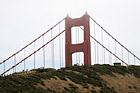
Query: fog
{"x":21,"y":21}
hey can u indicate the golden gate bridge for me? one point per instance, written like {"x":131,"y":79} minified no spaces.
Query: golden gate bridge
{"x":80,"y":41}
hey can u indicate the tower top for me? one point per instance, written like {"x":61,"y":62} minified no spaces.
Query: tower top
{"x":86,"y":13}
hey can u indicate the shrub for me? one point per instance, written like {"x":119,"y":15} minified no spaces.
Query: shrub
{"x":106,"y":89}
{"x":61,"y":75}
{"x":135,"y":87}
{"x":42,"y":82}
{"x":130,"y":87}
{"x":88,"y":75}
{"x":135,"y":70}
{"x":85,"y":86}
{"x":73,"y":86}
{"x":93,"y":91}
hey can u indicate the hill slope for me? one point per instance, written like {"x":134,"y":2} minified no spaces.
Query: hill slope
{"x":82,"y":79}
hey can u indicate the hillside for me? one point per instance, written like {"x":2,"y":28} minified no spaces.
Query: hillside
{"x":79,"y":79}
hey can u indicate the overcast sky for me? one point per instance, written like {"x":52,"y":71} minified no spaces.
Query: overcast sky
{"x":21,"y":21}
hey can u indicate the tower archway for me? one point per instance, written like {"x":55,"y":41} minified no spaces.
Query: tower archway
{"x":80,"y":47}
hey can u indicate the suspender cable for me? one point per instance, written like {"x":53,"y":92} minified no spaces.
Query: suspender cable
{"x":34,"y":55}
{"x":103,"y":50}
{"x":109,"y":55}
{"x":97,"y":54}
{"x":111,"y":59}
{"x":78,"y":42}
{"x":115,"y":50}
{"x":52,"y":49}
{"x":122,"y":54}
{"x":32,"y":42}
{"x":13,"y":64}
{"x":62,"y":50}
{"x":134,"y":60}
{"x":128,"y":58}
{"x":104,"y":57}
{"x":95,"y":42}
{"x":24,"y":60}
{"x":102,"y":43}
{"x":109,"y":49}
{"x":15,"y":61}
{"x":59,"y":47}
{"x":115,"y":39}
{"x":4,"y":68}
{"x":43,"y":52}
{"x":53,"y":52}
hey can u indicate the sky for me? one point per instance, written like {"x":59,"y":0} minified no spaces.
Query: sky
{"x":21,"y":21}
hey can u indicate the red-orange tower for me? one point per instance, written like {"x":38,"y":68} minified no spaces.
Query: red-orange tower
{"x":82,"y":47}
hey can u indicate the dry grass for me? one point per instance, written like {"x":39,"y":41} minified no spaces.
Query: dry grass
{"x":123,"y":84}
{"x":24,"y":73}
{"x":54,"y":84}
{"x":76,"y":72}
{"x":58,"y":85}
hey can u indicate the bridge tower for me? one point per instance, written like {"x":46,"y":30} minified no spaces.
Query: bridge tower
{"x":82,"y":47}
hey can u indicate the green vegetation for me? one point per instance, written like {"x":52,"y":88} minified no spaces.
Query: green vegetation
{"x":135,"y":87}
{"x":106,"y":89}
{"x":134,"y":70}
{"x":86,"y":86}
{"x":73,"y":86}
{"x":130,"y":87}
{"x":86,"y":75}
{"x":23,"y":83}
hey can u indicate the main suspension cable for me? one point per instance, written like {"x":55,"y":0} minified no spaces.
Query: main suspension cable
{"x":33,"y":53}
{"x":115,"y":39}
{"x":32,"y":42}
{"x":108,"y":50}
